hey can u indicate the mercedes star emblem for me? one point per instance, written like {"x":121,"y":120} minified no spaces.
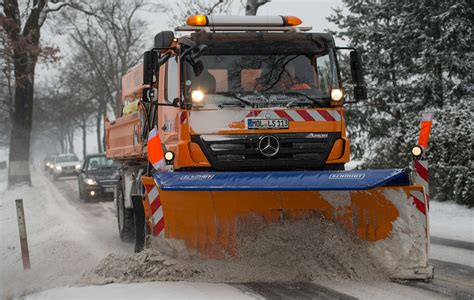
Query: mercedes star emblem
{"x":269,"y":145}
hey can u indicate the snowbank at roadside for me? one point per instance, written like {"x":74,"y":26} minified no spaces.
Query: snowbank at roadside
{"x":62,"y":242}
{"x":147,"y":290}
{"x":451,"y":221}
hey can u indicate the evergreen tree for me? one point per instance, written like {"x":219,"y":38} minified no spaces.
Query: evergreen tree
{"x":417,"y":57}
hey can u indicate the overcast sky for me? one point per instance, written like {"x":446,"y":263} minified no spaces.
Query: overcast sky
{"x":312,"y":12}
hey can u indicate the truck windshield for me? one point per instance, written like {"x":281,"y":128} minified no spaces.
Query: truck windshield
{"x":262,"y":80}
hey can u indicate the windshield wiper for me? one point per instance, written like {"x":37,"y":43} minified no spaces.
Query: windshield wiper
{"x":294,"y":93}
{"x":234,"y":96}
{"x":238,"y":104}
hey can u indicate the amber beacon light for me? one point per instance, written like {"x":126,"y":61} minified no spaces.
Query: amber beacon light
{"x":197,"y":20}
{"x":292,"y":21}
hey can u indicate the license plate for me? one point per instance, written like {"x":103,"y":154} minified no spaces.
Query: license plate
{"x":258,"y":123}
{"x":109,"y":190}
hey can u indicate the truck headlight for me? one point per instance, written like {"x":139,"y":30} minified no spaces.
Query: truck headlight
{"x":59,"y":168}
{"x":90,"y":181}
{"x":336,"y":95}
{"x":197,"y":97}
{"x":78,"y":166}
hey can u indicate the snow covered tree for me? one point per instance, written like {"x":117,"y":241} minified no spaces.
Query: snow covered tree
{"x":417,"y":57}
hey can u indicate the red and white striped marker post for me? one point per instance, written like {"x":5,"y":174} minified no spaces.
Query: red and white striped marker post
{"x":420,"y":164}
{"x":25,"y":254}
{"x":157,"y":218}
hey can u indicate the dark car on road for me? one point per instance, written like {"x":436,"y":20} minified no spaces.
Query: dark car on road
{"x":98,"y":177}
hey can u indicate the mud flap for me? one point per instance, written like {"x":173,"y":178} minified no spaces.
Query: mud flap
{"x":140,"y":231}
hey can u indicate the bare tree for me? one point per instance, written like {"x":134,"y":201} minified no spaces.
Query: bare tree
{"x":60,"y":111}
{"x":22,"y":26}
{"x":112,"y":38}
{"x":6,"y":88}
{"x":182,"y":9}
{"x":109,"y":42}
{"x":252,"y":6}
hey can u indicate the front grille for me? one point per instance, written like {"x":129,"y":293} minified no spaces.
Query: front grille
{"x":68,"y":168}
{"x":306,"y":151}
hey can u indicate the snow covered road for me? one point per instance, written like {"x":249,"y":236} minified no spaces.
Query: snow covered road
{"x":68,"y":237}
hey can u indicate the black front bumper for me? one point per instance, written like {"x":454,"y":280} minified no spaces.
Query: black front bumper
{"x":101,"y":190}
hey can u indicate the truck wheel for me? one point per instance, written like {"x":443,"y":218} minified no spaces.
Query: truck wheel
{"x":125,"y":219}
{"x":140,"y":224}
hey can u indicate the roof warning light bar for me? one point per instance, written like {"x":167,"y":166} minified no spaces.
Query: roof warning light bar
{"x":238,"y":23}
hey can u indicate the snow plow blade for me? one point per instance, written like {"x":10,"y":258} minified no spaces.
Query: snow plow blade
{"x":205,"y":209}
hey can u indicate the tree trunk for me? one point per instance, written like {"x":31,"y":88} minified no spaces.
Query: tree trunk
{"x":70,"y":137}
{"x":98,"y":129}
{"x":84,"y":137}
{"x":61,"y":143}
{"x":118,"y":104}
{"x":19,"y":156}
{"x":252,"y":6}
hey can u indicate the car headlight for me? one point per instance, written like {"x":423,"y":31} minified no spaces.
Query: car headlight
{"x":58,"y":168}
{"x":78,"y":166}
{"x":51,"y":166}
{"x":90,"y":181}
{"x":47,"y":164}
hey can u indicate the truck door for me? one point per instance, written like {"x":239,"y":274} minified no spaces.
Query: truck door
{"x":169,"y":93}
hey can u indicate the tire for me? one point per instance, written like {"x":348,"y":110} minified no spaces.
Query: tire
{"x":125,"y":218}
{"x":140,"y":224}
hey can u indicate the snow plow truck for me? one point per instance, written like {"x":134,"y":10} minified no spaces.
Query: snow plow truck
{"x":244,"y":116}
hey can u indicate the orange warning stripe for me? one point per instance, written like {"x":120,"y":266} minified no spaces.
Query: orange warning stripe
{"x":426,"y":123}
{"x":156,"y":155}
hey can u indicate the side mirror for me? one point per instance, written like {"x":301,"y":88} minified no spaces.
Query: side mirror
{"x":356,"y":68}
{"x":164,"y":39}
{"x":360,"y":90}
{"x":148,"y":66}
